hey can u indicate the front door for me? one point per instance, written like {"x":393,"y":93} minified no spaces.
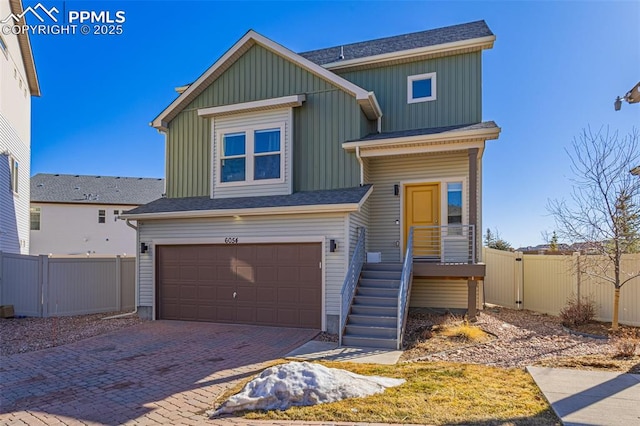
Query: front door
{"x":422,"y":208}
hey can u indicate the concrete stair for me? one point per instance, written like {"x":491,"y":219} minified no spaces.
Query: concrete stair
{"x":373,"y":318}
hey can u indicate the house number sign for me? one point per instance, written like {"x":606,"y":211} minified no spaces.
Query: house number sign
{"x":231,"y":240}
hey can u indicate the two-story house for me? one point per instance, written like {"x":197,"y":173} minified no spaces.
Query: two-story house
{"x":80,"y":214}
{"x":18,"y":83}
{"x":328,"y":189}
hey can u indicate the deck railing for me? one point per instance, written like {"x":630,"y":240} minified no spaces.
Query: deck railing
{"x":351,"y":280}
{"x":451,"y":244}
{"x":405,"y":283}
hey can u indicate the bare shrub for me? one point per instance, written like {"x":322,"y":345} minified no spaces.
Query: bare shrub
{"x":578,"y":311}
{"x":625,"y":348}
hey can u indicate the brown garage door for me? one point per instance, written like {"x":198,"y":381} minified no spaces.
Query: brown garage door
{"x":265,"y":284}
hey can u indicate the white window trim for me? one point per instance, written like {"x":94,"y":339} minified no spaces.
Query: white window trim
{"x":249,"y":154}
{"x":412,"y":78}
{"x":14,"y":175}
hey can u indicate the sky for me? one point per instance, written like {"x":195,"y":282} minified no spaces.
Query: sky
{"x":556,"y":68}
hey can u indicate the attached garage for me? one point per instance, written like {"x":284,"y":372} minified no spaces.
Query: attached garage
{"x":262,"y":284}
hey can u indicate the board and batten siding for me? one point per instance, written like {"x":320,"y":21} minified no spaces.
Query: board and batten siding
{"x":435,"y":293}
{"x":385,"y":208}
{"x":235,"y":122}
{"x":214,"y":230}
{"x":327,"y":118}
{"x":458,"y":94}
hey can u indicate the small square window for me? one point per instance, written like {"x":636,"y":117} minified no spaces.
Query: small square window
{"x":102,"y":215}
{"x":421,"y":88}
{"x":35,"y":218}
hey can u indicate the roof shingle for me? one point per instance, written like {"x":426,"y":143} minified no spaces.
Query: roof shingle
{"x":398,"y":43}
{"x":305,"y":198}
{"x":82,"y":189}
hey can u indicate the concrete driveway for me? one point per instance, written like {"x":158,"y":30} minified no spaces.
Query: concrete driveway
{"x":161,"y":372}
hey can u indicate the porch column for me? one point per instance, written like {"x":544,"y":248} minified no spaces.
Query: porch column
{"x":472,"y":286}
{"x":473,"y":189}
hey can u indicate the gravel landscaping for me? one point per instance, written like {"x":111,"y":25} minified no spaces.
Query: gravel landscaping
{"x":18,"y":335}
{"x":524,"y":338}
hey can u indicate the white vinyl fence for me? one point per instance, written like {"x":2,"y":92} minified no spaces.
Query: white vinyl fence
{"x":40,"y":286}
{"x":543,"y":283}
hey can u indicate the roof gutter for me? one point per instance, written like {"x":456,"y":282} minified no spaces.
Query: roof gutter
{"x":438,"y":137}
{"x":438,"y":49}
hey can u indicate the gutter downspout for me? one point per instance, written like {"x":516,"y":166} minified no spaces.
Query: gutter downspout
{"x":361,"y":165}
{"x":135,"y":311}
{"x":379,"y":120}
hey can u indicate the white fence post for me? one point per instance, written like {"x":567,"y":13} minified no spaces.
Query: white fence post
{"x":43,"y":285}
{"x":119,"y":283}
{"x":518,"y":279}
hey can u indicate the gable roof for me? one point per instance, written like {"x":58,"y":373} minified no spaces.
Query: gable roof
{"x":470,"y":36}
{"x":366,"y":99}
{"x":25,"y":50}
{"x":345,"y":199}
{"x":82,"y":189}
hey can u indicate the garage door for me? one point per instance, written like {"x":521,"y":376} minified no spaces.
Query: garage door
{"x":264,"y":284}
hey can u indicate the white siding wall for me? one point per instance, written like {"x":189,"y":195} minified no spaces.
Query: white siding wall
{"x":15,"y":140}
{"x":74,"y":229}
{"x":384,"y":172}
{"x":248,"y":229}
{"x":238,"y":121}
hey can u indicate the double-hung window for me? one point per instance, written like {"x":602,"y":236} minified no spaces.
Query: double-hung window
{"x":251,"y":156}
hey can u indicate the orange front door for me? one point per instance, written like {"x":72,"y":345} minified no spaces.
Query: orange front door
{"x":422,"y":208}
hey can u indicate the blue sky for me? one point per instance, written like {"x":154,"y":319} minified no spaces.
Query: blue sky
{"x":556,"y":68}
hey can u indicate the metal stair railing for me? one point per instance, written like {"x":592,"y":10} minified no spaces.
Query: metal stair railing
{"x":403,"y":293}
{"x":351,"y":281}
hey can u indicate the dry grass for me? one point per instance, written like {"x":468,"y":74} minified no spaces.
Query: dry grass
{"x":465,"y":332}
{"x":435,"y":393}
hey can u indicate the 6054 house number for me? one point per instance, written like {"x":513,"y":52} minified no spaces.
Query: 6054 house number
{"x":231,"y":240}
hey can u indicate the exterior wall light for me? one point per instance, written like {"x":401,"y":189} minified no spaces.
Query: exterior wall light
{"x":144,"y":247}
{"x":396,"y":189}
{"x":333,"y":246}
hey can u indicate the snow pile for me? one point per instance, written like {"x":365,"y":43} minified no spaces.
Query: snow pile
{"x":303,"y":383}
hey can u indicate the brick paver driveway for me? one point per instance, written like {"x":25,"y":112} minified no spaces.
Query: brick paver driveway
{"x":161,"y":372}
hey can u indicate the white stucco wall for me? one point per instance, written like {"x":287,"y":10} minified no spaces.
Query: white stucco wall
{"x":74,"y":229}
{"x":15,"y":141}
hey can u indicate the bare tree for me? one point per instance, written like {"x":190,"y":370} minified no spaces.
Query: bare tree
{"x":603,"y":212}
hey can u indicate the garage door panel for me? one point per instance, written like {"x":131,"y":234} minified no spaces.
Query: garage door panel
{"x":276,"y":284}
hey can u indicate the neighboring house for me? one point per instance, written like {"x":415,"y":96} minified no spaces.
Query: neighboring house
{"x":74,"y":214}
{"x":276,"y":163}
{"x":18,"y":83}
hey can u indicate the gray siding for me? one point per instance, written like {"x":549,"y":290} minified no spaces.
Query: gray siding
{"x":329,"y":117}
{"x":358,"y":220}
{"x":214,"y":230}
{"x":383,"y":173}
{"x":433,"y":293}
{"x":459,"y":92}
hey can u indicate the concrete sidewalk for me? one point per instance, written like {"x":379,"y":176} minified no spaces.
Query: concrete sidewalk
{"x":581,"y":397}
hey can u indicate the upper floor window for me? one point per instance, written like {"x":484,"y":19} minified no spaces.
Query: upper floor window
{"x":116,"y":213}
{"x":34,"y":218}
{"x":421,"y":87}
{"x":102,"y":216}
{"x":454,"y":203}
{"x":251,"y":155}
{"x":13,"y":167}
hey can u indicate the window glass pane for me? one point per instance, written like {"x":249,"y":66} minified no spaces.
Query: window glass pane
{"x":454,"y":203}
{"x":35,"y":218}
{"x":101,"y":216}
{"x":234,"y":144}
{"x":421,"y":88}
{"x":267,"y":167}
{"x":232,"y":170}
{"x":267,"y":141}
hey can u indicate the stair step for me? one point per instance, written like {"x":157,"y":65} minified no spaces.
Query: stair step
{"x":382,"y":275}
{"x":369,"y":331}
{"x":381,"y":283}
{"x":391,"y":302}
{"x":369,"y":342}
{"x":382,"y":267}
{"x":387,"y":311}
{"x":377,"y":292}
{"x":373,"y":320}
